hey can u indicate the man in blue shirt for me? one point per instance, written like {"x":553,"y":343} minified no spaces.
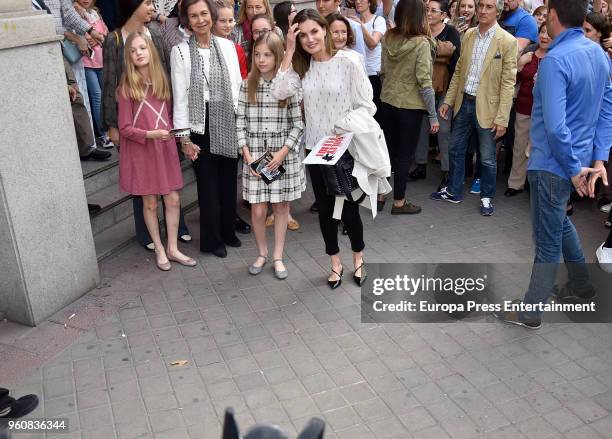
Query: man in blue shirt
{"x":571,"y":134}
{"x":519,"y":23}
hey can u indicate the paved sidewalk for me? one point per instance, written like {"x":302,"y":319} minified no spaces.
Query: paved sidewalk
{"x":284,"y":351}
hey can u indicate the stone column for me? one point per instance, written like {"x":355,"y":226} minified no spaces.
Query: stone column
{"x":47,"y":254}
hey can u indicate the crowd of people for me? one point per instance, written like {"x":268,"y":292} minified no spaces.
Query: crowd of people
{"x":227,"y":81}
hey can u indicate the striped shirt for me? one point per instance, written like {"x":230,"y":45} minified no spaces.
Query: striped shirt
{"x":481,"y":46}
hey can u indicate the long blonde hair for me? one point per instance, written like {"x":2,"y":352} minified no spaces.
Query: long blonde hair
{"x":242,"y":17}
{"x":275,"y":44}
{"x":132,"y":82}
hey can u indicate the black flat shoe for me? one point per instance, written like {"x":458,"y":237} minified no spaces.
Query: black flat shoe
{"x":97,"y":155}
{"x":333,"y":284}
{"x":420,"y":173}
{"x":242,"y":226}
{"x":360,"y":280}
{"x":17,"y":408}
{"x":314,"y":208}
{"x":220,"y":252}
{"x":510,"y":192}
{"x":234,"y":242}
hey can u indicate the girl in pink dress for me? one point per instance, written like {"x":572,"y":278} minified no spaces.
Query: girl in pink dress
{"x":148,"y":159}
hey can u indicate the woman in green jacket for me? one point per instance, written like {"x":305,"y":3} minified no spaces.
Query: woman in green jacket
{"x":407,"y":93}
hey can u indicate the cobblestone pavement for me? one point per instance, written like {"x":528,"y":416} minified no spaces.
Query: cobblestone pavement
{"x":284,"y":351}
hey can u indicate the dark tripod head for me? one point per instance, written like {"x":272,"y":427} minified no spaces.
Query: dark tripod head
{"x":313,"y":430}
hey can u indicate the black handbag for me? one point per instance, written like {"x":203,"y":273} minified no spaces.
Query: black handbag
{"x":338,"y":178}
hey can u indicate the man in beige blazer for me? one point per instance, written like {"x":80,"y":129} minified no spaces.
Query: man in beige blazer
{"x":480,"y":94}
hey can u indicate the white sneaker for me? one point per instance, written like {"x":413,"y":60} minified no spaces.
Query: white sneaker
{"x":604,"y":257}
{"x":107,"y":143}
{"x":606,"y":208}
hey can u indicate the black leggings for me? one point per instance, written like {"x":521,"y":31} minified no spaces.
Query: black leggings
{"x":329,"y":226}
{"x":376,"y":89}
{"x":402,"y":128}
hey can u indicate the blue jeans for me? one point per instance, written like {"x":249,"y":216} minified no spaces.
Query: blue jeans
{"x":463,"y":126}
{"x":554,"y":236}
{"x":94,"y":81}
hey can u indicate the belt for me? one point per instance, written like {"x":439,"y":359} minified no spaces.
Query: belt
{"x":468,"y":97}
{"x":268,"y":135}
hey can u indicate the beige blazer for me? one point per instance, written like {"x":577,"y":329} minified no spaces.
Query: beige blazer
{"x":497,"y":80}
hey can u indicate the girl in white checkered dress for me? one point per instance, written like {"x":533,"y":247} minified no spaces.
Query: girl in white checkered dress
{"x":265,"y":124}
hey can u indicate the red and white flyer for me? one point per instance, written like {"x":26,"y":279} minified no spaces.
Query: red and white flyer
{"x":329,"y":150}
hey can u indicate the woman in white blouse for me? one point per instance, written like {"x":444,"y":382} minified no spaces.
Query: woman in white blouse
{"x":334,"y":84}
{"x":205,"y":83}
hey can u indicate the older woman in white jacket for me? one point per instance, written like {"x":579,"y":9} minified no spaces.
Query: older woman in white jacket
{"x":206,"y":83}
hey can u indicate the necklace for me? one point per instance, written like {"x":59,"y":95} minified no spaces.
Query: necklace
{"x":202,"y":46}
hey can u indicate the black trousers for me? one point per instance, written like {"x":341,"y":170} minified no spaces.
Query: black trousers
{"x":329,"y":226}
{"x":402,"y":128}
{"x":217,"y":185}
{"x":376,"y":89}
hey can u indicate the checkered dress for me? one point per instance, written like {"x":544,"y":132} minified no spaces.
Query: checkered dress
{"x":264,"y":125}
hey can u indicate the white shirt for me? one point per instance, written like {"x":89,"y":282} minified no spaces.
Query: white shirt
{"x":481,"y":46}
{"x":180,"y":62}
{"x":372,"y":56}
{"x":332,"y":89}
{"x":358,"y":56}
